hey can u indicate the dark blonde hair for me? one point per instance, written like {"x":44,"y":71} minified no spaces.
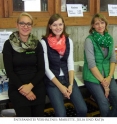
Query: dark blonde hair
{"x":99,"y":16}
{"x":25,"y":14}
{"x":52,"y":19}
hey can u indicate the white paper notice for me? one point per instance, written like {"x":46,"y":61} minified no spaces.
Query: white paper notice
{"x":32,"y":5}
{"x":74,"y":10}
{"x":3,"y":37}
{"x":28,"y":0}
{"x":112,"y":10}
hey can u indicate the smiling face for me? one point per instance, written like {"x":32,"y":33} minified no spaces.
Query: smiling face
{"x":24,"y":26}
{"x":99,"y":25}
{"x":57,"y":27}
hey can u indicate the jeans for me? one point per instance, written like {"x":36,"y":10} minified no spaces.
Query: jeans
{"x":57,"y":99}
{"x":104,"y":103}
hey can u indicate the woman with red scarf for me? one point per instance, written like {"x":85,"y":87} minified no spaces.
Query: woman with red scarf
{"x":59,"y":68}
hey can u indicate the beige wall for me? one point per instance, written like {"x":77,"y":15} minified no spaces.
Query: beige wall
{"x":77,"y":34}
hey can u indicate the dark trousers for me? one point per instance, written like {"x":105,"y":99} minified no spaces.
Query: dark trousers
{"x":30,"y":111}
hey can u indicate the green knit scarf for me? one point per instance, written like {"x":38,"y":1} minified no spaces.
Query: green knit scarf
{"x":102,"y":40}
{"x":21,"y":46}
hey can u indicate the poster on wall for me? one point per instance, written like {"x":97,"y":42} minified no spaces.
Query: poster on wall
{"x":3,"y":37}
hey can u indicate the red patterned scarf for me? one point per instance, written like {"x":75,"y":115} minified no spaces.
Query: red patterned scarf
{"x":58,"y":45}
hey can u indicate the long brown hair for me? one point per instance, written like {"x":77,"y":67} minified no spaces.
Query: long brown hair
{"x":52,"y":19}
{"x":93,"y":21}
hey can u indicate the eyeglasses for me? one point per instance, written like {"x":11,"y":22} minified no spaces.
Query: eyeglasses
{"x":22,"y":24}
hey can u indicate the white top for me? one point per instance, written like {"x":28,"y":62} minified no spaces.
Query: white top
{"x":70,"y":61}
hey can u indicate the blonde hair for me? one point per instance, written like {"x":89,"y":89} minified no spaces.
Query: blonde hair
{"x":25,"y":14}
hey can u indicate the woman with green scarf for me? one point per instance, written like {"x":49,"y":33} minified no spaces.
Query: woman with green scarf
{"x":24,"y":64}
{"x":99,"y":66}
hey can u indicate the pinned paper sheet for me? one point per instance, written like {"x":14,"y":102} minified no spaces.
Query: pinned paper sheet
{"x":112,"y":9}
{"x":3,"y":37}
{"x":74,"y":10}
